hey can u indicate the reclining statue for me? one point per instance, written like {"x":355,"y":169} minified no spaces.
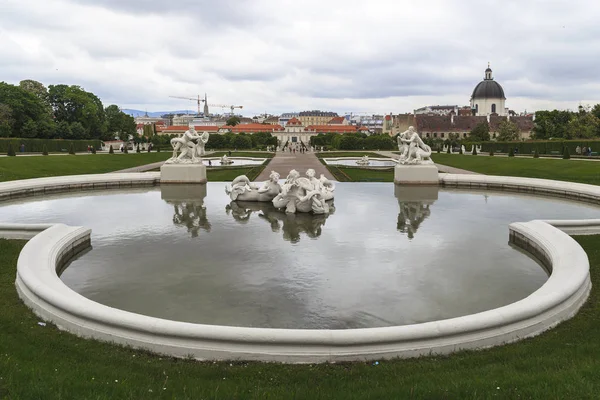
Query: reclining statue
{"x":242,"y":189}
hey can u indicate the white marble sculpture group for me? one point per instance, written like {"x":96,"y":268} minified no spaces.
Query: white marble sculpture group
{"x":297,"y":194}
{"x":190,"y":147}
{"x":412,"y":148}
{"x":226,"y":160}
{"x":364,"y":160}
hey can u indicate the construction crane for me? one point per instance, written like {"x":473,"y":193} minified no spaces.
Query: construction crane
{"x":199,"y":100}
{"x":226,"y":106}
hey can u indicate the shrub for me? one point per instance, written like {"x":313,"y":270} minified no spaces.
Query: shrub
{"x":566,"y":154}
{"x":93,"y":150}
{"x":72,"y":149}
{"x":448,"y":151}
{"x":474,"y":152}
{"x":511,"y":152}
{"x":137,"y":150}
{"x":536,"y":154}
{"x":491,"y":152}
{"x":45,"y":150}
{"x":111,"y":150}
{"x":158,"y":148}
{"x":11,"y":151}
{"x":460,"y":151}
{"x":125,"y":148}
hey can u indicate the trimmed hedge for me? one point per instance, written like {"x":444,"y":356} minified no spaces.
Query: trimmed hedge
{"x":52,"y":145}
{"x":543,"y":147}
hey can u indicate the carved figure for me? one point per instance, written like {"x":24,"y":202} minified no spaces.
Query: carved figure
{"x":190,"y":147}
{"x":226,"y":160}
{"x":364,"y":160}
{"x":414,"y":150}
{"x":242,"y":189}
{"x":299,"y":194}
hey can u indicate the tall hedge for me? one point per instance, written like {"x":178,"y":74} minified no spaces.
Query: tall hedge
{"x":52,"y":145}
{"x":543,"y":147}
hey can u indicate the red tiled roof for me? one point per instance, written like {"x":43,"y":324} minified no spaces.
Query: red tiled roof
{"x":388,"y":117}
{"x":331,"y":128}
{"x":183,"y":128}
{"x":363,"y":128}
{"x":253,"y":128}
{"x":294,"y":121}
{"x":336,"y":121}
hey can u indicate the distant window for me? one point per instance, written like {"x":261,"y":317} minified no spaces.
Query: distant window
{"x":435,"y":134}
{"x":477,"y":108}
{"x":464,"y":135}
{"x":428,"y":135}
{"x":493,"y":108}
{"x":294,"y":139}
{"x":442,"y":134}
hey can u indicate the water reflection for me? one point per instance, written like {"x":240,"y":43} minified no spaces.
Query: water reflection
{"x":414,"y":203}
{"x":292,"y":225}
{"x":188,"y":205}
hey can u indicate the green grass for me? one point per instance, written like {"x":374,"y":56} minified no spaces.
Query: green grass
{"x":228,"y":174}
{"x":557,"y":169}
{"x":41,"y":362}
{"x":26,"y":167}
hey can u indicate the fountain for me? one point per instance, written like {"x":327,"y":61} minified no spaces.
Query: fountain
{"x":364,"y":160}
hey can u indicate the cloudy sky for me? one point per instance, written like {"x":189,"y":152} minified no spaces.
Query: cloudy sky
{"x":281,"y":55}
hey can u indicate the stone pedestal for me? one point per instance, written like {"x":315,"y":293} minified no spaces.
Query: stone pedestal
{"x":183,"y":173}
{"x":421,"y":174}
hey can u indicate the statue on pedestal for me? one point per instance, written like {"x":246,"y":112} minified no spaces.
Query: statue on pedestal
{"x":413,"y":149}
{"x":190,"y":147}
{"x":300,"y":194}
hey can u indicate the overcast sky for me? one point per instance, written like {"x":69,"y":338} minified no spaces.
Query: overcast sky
{"x":281,"y":55}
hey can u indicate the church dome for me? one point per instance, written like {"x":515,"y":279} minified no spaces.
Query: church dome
{"x":488,"y":88}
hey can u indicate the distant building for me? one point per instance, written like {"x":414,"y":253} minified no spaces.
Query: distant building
{"x":285,"y":117}
{"x":316,"y":117}
{"x":437,"y":110}
{"x":488,"y":97}
{"x":250,"y":128}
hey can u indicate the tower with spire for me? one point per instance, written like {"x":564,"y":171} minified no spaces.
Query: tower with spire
{"x":205,"y":105}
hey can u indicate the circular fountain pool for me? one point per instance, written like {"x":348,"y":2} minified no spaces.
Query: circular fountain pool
{"x":387,"y":256}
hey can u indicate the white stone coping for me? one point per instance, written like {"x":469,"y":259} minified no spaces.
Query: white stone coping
{"x":330,"y":160}
{"x":557,"y":300}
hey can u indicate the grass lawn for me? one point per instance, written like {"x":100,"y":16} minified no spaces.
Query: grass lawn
{"x":228,"y":174}
{"x":24,"y":167}
{"x":558,"y":169}
{"x":41,"y":362}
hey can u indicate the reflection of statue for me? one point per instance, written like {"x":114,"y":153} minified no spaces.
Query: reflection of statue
{"x":364,"y":160}
{"x":300,"y":194}
{"x":190,"y":147}
{"x":414,"y":207}
{"x":188,"y":205}
{"x":413,"y":149}
{"x":242,"y":189}
{"x":292,"y":225}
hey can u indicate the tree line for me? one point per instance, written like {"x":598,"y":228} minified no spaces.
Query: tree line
{"x":30,"y":110}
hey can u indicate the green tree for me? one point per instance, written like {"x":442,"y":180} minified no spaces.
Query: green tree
{"x":19,"y":106}
{"x":29,"y":129}
{"x":78,"y":131}
{"x":583,"y":126}
{"x":38,"y":90}
{"x":507,"y":131}
{"x":45,"y":150}
{"x":233,"y":121}
{"x":73,"y":104}
{"x":63,"y":130}
{"x":481,"y":133}
{"x":10,"y":151}
{"x":111,"y":150}
{"x":566,"y":154}
{"x":551,"y":124}
{"x":241,"y":141}
{"x":536,"y":154}
{"x":72,"y":149}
